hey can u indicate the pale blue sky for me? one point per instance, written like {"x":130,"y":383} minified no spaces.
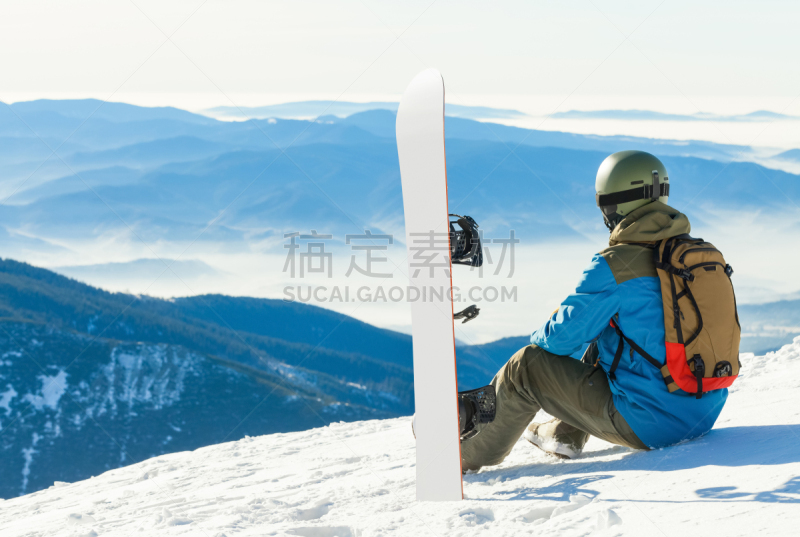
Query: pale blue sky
{"x":731,"y":56}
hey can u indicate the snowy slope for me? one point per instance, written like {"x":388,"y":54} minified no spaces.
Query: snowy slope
{"x":357,"y":479}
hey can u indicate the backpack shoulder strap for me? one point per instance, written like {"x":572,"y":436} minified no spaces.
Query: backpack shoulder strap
{"x":618,"y":355}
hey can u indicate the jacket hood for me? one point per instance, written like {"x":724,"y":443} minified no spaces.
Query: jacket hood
{"x":652,"y":222}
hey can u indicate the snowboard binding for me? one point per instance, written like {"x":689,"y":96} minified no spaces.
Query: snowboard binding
{"x":465,"y":243}
{"x":476,"y":407}
{"x":467,"y":314}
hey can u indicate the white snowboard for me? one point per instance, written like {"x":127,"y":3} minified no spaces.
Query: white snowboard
{"x":420,"y":146}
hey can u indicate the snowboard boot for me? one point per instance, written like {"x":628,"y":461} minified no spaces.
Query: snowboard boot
{"x":556,"y":438}
{"x":475,"y":408}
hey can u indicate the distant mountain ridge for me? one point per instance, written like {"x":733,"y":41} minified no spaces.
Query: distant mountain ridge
{"x":792,"y":154}
{"x":169,"y":172}
{"x":148,"y":269}
{"x":650,"y":115}
{"x":106,"y":110}
{"x":339,"y":109}
{"x":168,"y":177}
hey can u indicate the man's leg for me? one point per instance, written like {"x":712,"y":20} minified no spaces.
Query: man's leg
{"x":568,"y":389}
{"x":559,"y":437}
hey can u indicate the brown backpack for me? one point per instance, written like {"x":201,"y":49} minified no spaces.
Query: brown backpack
{"x":700,"y":319}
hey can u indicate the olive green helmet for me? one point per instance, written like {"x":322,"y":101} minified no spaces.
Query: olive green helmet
{"x":628,"y":180}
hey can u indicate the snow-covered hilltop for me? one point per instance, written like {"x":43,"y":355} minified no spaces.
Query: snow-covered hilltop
{"x":357,"y":479}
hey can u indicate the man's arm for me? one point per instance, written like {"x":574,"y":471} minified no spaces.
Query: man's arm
{"x":584,"y":313}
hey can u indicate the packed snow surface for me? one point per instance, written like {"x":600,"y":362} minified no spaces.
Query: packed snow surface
{"x":357,"y":479}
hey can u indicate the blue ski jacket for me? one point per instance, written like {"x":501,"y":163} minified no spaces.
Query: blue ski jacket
{"x":622,"y":280}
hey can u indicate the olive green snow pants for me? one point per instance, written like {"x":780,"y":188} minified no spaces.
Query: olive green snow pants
{"x":571,"y":390}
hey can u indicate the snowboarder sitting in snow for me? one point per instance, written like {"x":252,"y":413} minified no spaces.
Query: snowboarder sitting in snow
{"x":631,"y":402}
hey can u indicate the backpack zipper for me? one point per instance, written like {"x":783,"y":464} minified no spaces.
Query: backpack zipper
{"x":692,"y":250}
{"x":704,"y":264}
